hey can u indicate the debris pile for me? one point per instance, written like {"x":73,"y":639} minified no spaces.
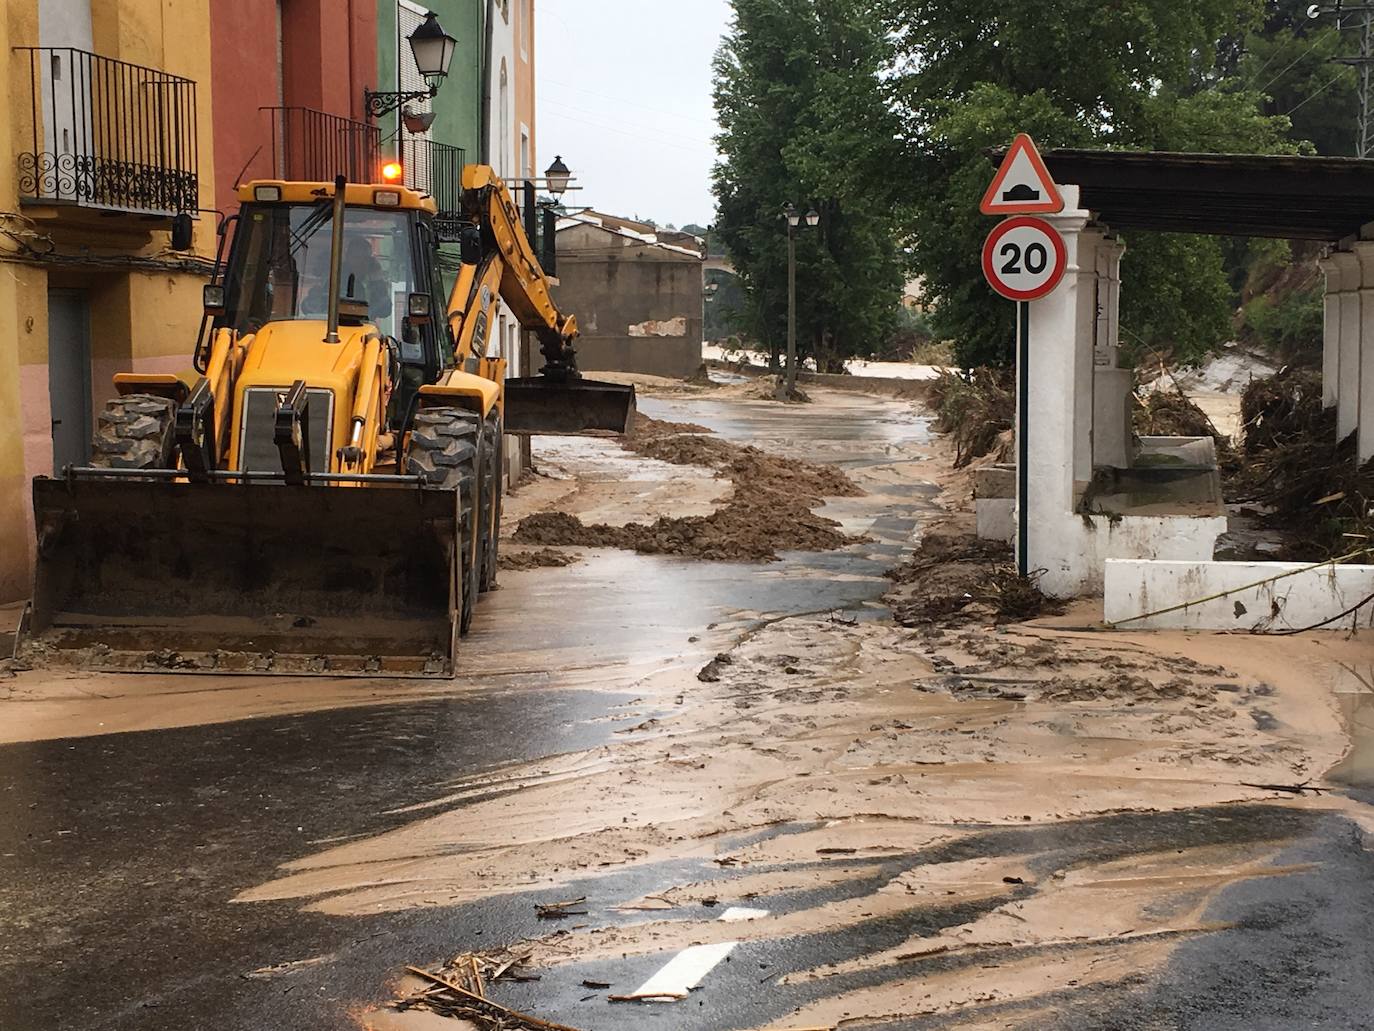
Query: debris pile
{"x":769,"y":508}
{"x":976,"y":409}
{"x":956,"y":577}
{"x":1172,"y":413}
{"x":539,"y":558}
{"x":459,"y":991}
{"x":1295,"y":468}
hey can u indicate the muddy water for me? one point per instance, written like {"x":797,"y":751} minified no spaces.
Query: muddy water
{"x":134,"y":810}
{"x":604,"y":623}
{"x":1354,"y":686}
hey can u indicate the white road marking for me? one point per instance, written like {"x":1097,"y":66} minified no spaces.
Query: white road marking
{"x":737,"y":913}
{"x":686,"y":970}
{"x":689,"y":967}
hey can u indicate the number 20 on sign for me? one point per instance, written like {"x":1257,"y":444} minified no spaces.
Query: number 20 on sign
{"x":1024,"y":258}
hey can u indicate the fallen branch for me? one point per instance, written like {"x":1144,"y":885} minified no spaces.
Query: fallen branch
{"x":558,"y":910}
{"x":1292,"y":789}
{"x":484,"y":1007}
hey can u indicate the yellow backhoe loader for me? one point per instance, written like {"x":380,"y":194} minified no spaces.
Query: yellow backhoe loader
{"x":326,"y":498}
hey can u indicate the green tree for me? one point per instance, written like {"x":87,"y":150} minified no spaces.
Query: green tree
{"x":1135,"y":74}
{"x":805,"y":119}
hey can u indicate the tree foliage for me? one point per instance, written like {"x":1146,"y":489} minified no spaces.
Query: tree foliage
{"x":805,"y":119}
{"x":1133,"y":74}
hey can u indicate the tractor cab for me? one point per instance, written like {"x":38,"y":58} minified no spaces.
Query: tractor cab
{"x":278,"y":272}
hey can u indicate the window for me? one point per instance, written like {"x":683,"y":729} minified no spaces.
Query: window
{"x":280,"y":268}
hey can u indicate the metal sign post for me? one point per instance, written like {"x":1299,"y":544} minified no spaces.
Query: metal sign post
{"x":1022,"y":436}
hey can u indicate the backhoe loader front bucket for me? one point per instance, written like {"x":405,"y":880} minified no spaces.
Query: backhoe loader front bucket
{"x":540,"y":404}
{"x":232,"y":577}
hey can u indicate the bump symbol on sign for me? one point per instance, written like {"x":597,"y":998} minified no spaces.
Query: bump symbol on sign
{"x":1021,"y":192}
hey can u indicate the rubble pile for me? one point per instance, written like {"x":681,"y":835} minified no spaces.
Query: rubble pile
{"x":955,"y":577}
{"x":976,"y":409}
{"x":768,"y":510}
{"x":1307,"y":482}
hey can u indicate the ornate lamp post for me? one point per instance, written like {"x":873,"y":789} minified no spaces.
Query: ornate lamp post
{"x":787,"y":385}
{"x":433,"y":49}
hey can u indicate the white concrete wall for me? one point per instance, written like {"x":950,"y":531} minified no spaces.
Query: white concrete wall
{"x":1134,"y":588}
{"x":1088,"y":543}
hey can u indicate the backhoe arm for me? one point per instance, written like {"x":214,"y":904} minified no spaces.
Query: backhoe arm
{"x":510,"y":270}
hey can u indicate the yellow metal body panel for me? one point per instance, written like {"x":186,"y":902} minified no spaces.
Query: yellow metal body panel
{"x":475,"y":393}
{"x":356,"y":195}
{"x":162,"y":384}
{"x":282,"y":352}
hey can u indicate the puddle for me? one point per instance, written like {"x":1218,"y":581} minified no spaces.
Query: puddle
{"x":1355,"y":693}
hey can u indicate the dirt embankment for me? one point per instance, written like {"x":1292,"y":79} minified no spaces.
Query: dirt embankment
{"x":768,"y":509}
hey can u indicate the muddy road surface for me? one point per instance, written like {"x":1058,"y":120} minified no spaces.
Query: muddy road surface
{"x":761,"y":801}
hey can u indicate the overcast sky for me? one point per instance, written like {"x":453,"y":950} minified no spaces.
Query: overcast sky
{"x":624,"y":95}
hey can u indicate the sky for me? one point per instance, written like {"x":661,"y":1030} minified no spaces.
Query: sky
{"x":623,"y":94}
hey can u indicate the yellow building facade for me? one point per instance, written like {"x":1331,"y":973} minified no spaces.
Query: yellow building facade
{"x":107,"y":138}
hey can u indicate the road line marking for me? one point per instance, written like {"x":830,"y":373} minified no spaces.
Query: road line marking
{"x":689,"y":967}
{"x":737,"y":913}
{"x":686,"y":970}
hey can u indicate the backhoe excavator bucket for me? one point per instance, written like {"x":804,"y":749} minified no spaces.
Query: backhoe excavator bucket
{"x":140,"y":575}
{"x":540,"y":404}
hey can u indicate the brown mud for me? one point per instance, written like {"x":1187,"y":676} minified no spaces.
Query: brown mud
{"x":538,"y":558}
{"x":955,"y":577}
{"x":769,"y":508}
{"x":858,"y":757}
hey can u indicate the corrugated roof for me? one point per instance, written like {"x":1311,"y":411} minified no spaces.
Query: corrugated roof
{"x":1281,"y":196}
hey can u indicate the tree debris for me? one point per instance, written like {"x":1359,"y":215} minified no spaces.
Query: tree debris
{"x":451,"y":999}
{"x":559,"y":910}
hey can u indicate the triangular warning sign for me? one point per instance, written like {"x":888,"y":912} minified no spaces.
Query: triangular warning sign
{"x":1022,"y":186}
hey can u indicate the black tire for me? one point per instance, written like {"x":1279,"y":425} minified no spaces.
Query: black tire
{"x":492,"y":482}
{"x":446,"y":449}
{"x":135,"y":432}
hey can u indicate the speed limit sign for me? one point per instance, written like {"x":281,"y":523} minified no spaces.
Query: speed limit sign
{"x":1024,"y":258}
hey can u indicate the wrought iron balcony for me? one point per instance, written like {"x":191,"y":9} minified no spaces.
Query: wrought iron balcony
{"x":312,"y":146}
{"x":435,"y":169}
{"x":108,"y":134}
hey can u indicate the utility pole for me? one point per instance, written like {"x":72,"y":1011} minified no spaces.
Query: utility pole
{"x":1364,"y":61}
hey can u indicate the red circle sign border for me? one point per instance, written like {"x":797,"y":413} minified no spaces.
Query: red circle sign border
{"x":990,"y":248}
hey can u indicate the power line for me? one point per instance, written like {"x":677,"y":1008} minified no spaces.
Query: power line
{"x":1295,"y":60}
{"x":1314,"y":96}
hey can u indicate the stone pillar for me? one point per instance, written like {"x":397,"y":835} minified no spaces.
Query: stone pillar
{"x":1348,"y":361}
{"x":1331,"y":331}
{"x":1111,"y":383}
{"x":1085,"y":334}
{"x":1364,"y":354}
{"x":1052,"y":381}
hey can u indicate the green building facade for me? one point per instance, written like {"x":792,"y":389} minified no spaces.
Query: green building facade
{"x":458,"y":106}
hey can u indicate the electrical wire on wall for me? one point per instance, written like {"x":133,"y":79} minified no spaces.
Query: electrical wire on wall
{"x":32,"y":246}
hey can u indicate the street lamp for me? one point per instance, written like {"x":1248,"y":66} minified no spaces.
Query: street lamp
{"x":557,"y":176}
{"x":787,"y":386}
{"x":433,"y":50}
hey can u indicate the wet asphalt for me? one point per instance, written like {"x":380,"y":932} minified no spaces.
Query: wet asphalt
{"x":120,"y":854}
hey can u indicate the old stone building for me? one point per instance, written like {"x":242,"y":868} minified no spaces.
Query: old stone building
{"x":636,"y":291}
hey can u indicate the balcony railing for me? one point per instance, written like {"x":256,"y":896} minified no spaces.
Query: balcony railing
{"x":312,"y":146}
{"x":435,"y":169}
{"x":109,"y":134}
